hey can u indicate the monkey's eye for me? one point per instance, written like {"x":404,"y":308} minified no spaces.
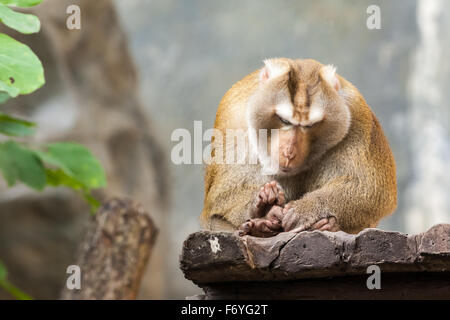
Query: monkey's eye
{"x":284,"y":121}
{"x":307,"y":126}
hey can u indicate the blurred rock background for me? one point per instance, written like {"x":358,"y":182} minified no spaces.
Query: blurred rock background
{"x":171,"y":62}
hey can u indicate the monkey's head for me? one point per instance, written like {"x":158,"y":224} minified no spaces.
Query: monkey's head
{"x":304,"y":101}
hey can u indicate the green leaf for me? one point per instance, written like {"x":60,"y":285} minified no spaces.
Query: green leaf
{"x":20,"y":163}
{"x":93,"y":202}
{"x":6,"y":285}
{"x":11,"y":126}
{"x":22,"y":22}
{"x":19,"y":67}
{"x":57,"y":177}
{"x":4,"y":96}
{"x":3,"y":272}
{"x":77,"y":162}
{"x":14,"y":291}
{"x":8,"y":89}
{"x":21,"y":3}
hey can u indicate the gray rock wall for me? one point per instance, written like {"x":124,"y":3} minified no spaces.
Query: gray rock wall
{"x":189,"y":53}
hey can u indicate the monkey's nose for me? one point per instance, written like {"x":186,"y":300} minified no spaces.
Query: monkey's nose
{"x":289,"y":154}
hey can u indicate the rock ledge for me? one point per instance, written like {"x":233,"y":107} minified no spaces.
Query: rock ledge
{"x":310,"y":264}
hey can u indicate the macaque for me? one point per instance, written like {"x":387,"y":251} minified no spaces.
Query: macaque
{"x":335,"y":167}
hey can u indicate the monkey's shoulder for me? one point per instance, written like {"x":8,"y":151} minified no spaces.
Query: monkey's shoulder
{"x":231,"y":113}
{"x":239,"y":92}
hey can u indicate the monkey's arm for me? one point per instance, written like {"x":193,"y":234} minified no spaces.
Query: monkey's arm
{"x":229,"y":197}
{"x":356,"y":182}
{"x":225,"y":209}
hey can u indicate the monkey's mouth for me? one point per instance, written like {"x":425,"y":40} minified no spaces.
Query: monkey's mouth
{"x":285,"y":169}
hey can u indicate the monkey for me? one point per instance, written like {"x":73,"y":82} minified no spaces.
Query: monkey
{"x":335,"y":172}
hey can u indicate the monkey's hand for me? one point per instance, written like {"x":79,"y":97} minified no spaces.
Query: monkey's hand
{"x":271,"y":194}
{"x":268,"y":226}
{"x":295,"y":221}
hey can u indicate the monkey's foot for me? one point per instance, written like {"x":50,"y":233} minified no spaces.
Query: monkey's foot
{"x":326,"y":224}
{"x":258,"y":227}
{"x":269,"y":195}
{"x":295,"y":222}
{"x":263,"y":227}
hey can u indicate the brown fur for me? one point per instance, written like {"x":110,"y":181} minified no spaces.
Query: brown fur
{"x":354,"y":180}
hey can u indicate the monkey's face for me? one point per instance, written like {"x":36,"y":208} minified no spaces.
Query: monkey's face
{"x":301,"y":99}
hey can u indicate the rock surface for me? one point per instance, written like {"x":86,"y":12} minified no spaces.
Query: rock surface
{"x":227,"y":266}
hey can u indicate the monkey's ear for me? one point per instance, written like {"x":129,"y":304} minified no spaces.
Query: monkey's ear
{"x":273,"y":68}
{"x":328,"y":74}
